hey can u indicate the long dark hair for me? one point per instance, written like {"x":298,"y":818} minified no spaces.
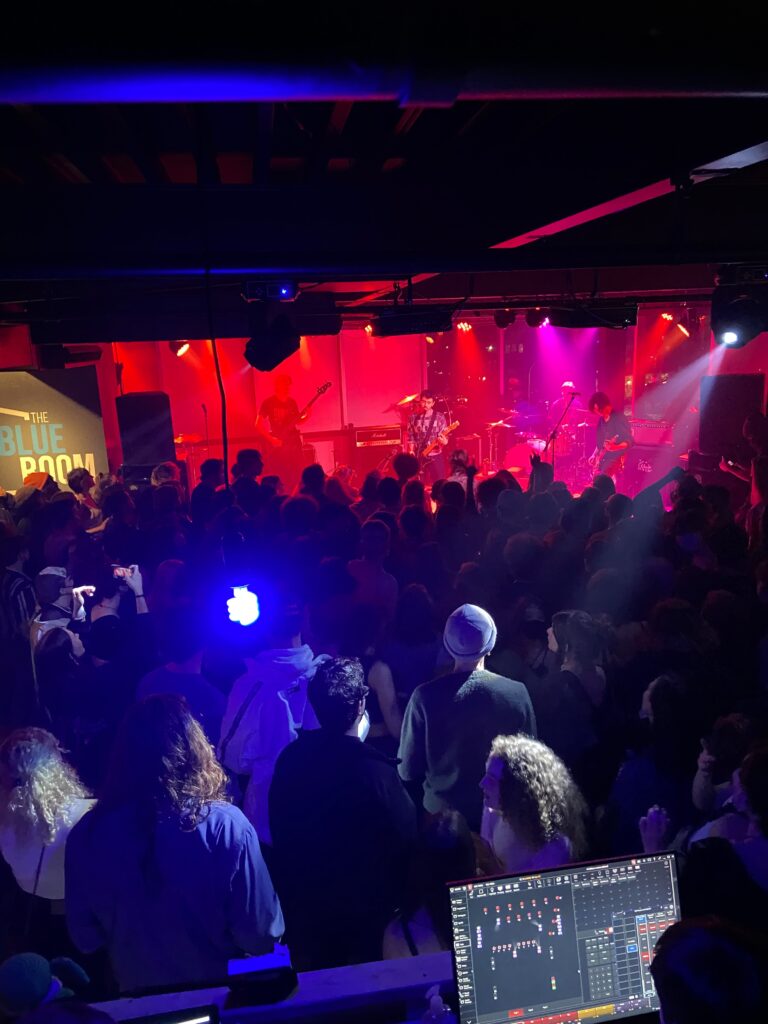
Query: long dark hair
{"x":163,"y":765}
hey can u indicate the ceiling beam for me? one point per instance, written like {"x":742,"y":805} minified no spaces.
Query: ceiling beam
{"x":198,"y":83}
{"x":637,"y":197}
{"x":339,"y":117}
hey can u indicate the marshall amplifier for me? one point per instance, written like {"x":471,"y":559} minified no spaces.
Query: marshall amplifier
{"x":374,"y":447}
{"x":644,"y":465}
{"x":651,"y":432}
{"x":379,"y":437}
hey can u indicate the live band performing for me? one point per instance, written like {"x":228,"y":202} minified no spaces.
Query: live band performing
{"x":384,"y":517}
{"x":580,"y":440}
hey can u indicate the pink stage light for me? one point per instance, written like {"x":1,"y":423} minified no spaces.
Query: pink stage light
{"x":463,"y":325}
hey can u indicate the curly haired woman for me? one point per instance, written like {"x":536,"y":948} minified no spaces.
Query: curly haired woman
{"x":534,"y":816}
{"x":165,"y":874}
{"x":41,"y":800}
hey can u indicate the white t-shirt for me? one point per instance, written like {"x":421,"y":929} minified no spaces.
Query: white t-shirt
{"x":23,"y":854}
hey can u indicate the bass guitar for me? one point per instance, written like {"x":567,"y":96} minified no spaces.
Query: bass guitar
{"x":434,"y":445}
{"x":302,"y":412}
{"x":289,"y":434}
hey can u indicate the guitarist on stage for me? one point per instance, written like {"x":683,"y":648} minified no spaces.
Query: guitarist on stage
{"x":614,"y":436}
{"x":278,"y":423}
{"x":425,"y":427}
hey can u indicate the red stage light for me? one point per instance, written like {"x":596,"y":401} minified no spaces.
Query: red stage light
{"x":684,"y":330}
{"x":667,"y":316}
{"x":429,"y":339}
{"x":464,"y":325}
{"x":368,"y":329}
{"x":179,"y":348}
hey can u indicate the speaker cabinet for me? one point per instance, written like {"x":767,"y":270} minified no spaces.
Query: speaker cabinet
{"x":726,"y":400}
{"x":146,"y":429}
{"x":644,"y":465}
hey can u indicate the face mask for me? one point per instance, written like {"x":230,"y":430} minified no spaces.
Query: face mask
{"x":363,"y":727}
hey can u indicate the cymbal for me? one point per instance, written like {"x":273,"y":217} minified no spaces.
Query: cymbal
{"x":187,"y":439}
{"x":498,"y":423}
{"x":469,"y":437}
{"x":407,"y":400}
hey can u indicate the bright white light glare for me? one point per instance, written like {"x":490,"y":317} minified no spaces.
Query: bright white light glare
{"x":243,"y":606}
{"x":730,"y":337}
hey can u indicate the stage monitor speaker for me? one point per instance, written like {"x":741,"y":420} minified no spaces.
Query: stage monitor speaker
{"x":644,"y":465}
{"x":146,"y":429}
{"x":726,"y":400}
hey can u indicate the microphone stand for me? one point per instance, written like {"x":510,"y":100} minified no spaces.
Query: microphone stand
{"x":552,"y":439}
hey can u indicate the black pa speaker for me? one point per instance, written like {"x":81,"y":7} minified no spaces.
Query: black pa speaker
{"x":726,"y":401}
{"x":146,"y":430}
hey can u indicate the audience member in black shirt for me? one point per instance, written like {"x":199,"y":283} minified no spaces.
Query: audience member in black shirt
{"x":342,"y":828}
{"x":201,"y":504}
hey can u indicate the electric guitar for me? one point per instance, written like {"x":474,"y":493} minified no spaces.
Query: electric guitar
{"x":289,"y":426}
{"x":607,"y":455}
{"x":434,"y":445}
{"x":320,"y":391}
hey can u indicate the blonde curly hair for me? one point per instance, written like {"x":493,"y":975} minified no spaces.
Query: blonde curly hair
{"x":37,"y":786}
{"x":538,"y":796}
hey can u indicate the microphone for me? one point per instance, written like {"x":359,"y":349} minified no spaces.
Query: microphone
{"x":575,"y":393}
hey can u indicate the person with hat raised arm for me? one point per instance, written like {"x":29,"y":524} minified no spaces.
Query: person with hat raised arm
{"x":451,"y":721}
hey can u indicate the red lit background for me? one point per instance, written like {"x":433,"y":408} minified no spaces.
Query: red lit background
{"x":654,"y":370}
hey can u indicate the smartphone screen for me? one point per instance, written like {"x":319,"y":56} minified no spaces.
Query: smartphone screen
{"x":121,"y":572}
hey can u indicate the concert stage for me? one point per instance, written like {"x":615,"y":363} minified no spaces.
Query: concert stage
{"x":500,"y":385}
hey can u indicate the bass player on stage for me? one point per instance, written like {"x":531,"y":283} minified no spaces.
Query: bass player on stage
{"x":614,"y":437}
{"x":427,"y":427}
{"x":278,"y":423}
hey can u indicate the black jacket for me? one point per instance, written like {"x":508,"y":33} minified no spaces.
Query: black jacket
{"x":342,"y":828}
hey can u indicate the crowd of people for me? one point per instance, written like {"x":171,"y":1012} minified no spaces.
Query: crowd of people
{"x":467,"y":680}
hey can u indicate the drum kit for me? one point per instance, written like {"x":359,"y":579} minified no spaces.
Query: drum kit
{"x":531,"y":434}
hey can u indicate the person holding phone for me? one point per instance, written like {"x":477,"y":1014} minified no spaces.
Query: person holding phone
{"x":60,"y":604}
{"x":113,"y":585}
